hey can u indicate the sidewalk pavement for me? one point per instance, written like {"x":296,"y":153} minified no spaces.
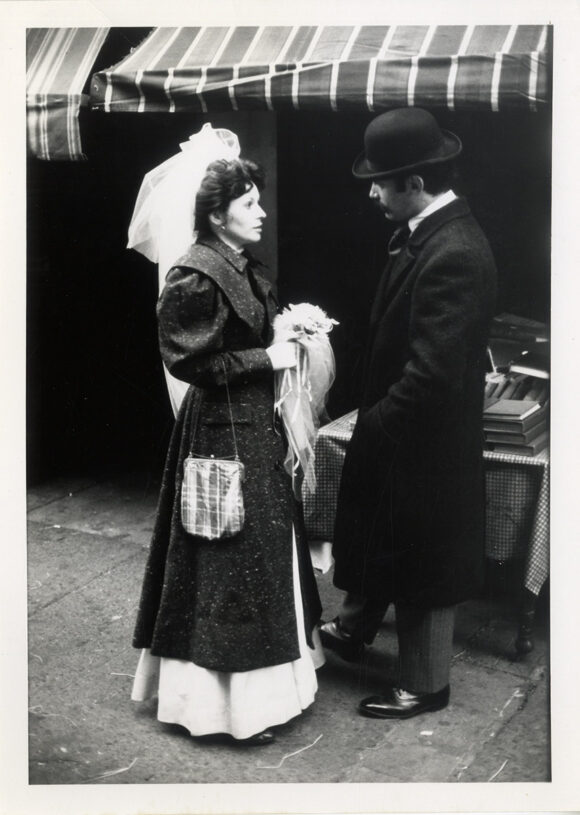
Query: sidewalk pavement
{"x":87,"y":546}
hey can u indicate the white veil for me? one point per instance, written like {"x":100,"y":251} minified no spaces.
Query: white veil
{"x":162,"y":226}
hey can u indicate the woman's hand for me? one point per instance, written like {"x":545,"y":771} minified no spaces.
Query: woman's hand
{"x":282,"y":355}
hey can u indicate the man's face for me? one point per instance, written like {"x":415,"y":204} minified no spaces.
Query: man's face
{"x":395,"y":205}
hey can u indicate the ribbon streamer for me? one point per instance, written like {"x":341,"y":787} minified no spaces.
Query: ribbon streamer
{"x":301,"y":392}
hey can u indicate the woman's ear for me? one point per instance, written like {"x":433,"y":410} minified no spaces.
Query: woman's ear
{"x":216,"y":219}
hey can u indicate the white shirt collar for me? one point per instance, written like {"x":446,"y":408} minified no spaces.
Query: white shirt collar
{"x":440,"y":201}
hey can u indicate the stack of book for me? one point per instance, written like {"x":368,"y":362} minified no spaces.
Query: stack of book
{"x":515,"y":385}
{"x":517,"y":426}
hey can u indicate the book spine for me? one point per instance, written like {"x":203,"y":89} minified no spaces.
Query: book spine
{"x":507,"y":437}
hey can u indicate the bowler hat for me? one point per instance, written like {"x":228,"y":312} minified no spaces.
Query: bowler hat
{"x":404,"y":139}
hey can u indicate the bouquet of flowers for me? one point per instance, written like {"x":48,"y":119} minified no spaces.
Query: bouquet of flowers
{"x":301,"y":392}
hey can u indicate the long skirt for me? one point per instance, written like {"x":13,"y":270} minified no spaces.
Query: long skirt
{"x":242,"y":703}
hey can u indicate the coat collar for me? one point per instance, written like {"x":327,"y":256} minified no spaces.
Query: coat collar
{"x":238,"y":260}
{"x":227,"y":270}
{"x":458,"y":208}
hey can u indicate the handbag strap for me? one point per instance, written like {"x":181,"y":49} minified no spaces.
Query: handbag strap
{"x":236,"y":454}
{"x":230,"y":409}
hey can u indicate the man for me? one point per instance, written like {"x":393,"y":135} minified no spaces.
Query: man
{"x":410,"y":516}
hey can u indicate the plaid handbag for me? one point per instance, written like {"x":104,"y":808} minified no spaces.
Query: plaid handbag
{"x":212,"y":504}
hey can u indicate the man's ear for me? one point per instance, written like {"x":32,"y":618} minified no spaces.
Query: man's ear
{"x":415,"y":184}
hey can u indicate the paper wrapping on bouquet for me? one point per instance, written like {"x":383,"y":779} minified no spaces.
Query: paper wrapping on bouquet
{"x":301,"y":392}
{"x":212,"y":505}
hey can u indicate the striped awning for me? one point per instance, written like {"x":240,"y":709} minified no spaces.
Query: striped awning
{"x":340,"y":68}
{"x":58,"y":63}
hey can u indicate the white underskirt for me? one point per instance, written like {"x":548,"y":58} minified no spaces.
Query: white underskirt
{"x":241,"y":703}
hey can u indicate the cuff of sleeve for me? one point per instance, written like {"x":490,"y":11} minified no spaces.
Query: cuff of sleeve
{"x":258,"y":361}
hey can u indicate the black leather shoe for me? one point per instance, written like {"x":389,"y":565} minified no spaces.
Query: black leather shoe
{"x":402,"y":704}
{"x":334,"y":637}
{"x":259,"y":739}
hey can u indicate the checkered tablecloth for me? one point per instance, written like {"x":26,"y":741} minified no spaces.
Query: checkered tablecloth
{"x":517,"y":501}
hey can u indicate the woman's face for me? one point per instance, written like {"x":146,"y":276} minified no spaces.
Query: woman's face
{"x":242,"y":222}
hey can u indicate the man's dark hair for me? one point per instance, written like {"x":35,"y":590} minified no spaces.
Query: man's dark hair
{"x":224,"y":181}
{"x":437,"y":178}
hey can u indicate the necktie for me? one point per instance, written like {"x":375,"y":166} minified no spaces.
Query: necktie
{"x":398,"y":239}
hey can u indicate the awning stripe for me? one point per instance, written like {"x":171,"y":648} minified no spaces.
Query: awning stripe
{"x":390,"y":32}
{"x":166,"y":88}
{"x":369,"y":42}
{"x":108,"y":91}
{"x":336,"y":64}
{"x":371,"y":75}
{"x":282,"y":56}
{"x":164,"y":49}
{"x":47,"y":71}
{"x":446,"y":40}
{"x":185,"y":59}
{"x":309,"y":55}
{"x":415,"y":62}
{"x":331,"y":67}
{"x":498,"y":65}
{"x":59,"y":61}
{"x":541,"y":46}
{"x":465,"y":40}
{"x":138,"y":81}
{"x":252,"y":46}
{"x":299,"y":67}
{"x":232,"y":86}
{"x":202,"y":81}
{"x":535,"y":66}
{"x":51,"y":55}
{"x":509,"y":39}
{"x":487,"y":39}
{"x":288,"y":37}
{"x":182,"y":59}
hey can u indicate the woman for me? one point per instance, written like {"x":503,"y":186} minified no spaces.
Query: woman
{"x":226,"y":626}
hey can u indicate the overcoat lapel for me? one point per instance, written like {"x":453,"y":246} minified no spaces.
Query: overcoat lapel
{"x":265,"y":290}
{"x":398,"y":271}
{"x":377,"y":307}
{"x":403,"y":262}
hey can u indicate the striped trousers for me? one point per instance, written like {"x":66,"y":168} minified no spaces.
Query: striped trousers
{"x":425,"y":638}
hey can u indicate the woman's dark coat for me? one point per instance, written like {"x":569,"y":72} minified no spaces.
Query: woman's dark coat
{"x":410,"y":518}
{"x":225,"y":605}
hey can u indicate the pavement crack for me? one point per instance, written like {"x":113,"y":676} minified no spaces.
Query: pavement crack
{"x":56,"y":498}
{"x":491,"y":732}
{"x":82,"y":586}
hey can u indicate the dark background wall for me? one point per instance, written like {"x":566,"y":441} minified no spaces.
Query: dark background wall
{"x":96,"y":394}
{"x":332,"y":241}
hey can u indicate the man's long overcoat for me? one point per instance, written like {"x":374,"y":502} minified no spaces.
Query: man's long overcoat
{"x":226,"y":605}
{"x":410,"y":518}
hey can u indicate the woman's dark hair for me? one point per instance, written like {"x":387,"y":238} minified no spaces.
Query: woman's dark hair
{"x":224,"y":181}
{"x":436,"y":177}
